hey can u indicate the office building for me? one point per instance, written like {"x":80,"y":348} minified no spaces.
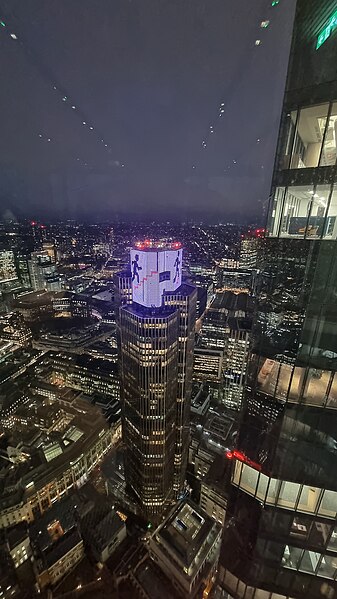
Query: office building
{"x":186,"y":548}
{"x":23,"y":269}
{"x":249,"y":245}
{"x":236,"y":361}
{"x":280,"y":537}
{"x":42,"y":271}
{"x":208,"y":364}
{"x":7,"y":266}
{"x":156,"y":363}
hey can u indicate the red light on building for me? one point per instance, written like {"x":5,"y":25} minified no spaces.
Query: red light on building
{"x":243,"y":458}
{"x":33,"y":223}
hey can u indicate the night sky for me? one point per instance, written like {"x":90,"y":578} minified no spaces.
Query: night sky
{"x":150,"y":77}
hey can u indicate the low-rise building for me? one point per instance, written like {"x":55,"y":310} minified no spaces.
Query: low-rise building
{"x":186,"y":547}
{"x":85,"y":373}
{"x":200,"y":399}
{"x":59,"y":559}
{"x":103,"y":531}
{"x":18,"y":543}
{"x":48,"y":466}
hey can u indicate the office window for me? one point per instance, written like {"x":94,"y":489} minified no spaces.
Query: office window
{"x":276,"y":211}
{"x":328,"y":155}
{"x":309,"y":137}
{"x":288,"y":139}
{"x":331,"y":221}
{"x":304,"y":211}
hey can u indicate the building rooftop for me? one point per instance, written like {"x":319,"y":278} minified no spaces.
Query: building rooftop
{"x":102,"y":523}
{"x":61,"y":547}
{"x":157,"y":245}
{"x":42,"y":456}
{"x":231,"y":302}
{"x":146,"y":312}
{"x":185,"y":531}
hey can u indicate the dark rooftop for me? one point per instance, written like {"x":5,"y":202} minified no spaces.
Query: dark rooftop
{"x":185,"y":531}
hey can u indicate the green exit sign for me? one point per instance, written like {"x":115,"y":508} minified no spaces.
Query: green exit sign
{"x":328,"y":29}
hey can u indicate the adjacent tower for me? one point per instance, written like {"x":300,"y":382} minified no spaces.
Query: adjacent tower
{"x":280,"y":539}
{"x":156,"y":334}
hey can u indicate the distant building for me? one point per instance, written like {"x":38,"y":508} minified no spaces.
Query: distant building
{"x":208,"y":364}
{"x":7,"y":266}
{"x":23,"y":269}
{"x":103,"y":531}
{"x":235,"y":363}
{"x":186,"y":548}
{"x":85,"y":373}
{"x":249,"y":246}
{"x":43,"y":273}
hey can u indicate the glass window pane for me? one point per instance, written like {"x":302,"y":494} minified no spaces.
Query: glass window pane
{"x":327,"y":567}
{"x":291,"y":557}
{"x":276,"y":208}
{"x":297,"y":383}
{"x":316,"y":388}
{"x":328,"y":157}
{"x":262,"y":488}
{"x":237,"y":472}
{"x":309,"y":136}
{"x":317,"y":224}
{"x":309,"y":499}
{"x":331,"y":221}
{"x":288,"y":494}
{"x":309,"y":561}
{"x":332,"y":545}
{"x":296,"y":212}
{"x":332,"y":400}
{"x":289,"y":129}
{"x":249,"y":479}
{"x":272,"y":490}
{"x":328,"y":505}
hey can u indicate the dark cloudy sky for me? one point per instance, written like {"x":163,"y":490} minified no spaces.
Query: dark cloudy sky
{"x":149,"y":76}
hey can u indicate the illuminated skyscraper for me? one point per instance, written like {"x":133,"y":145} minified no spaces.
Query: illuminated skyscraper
{"x":156,"y":358}
{"x":280,"y":539}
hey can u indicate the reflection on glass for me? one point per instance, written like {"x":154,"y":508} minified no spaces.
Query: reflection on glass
{"x":328,"y":156}
{"x":309,"y":136}
{"x":332,"y":545}
{"x":276,"y":211}
{"x":331,"y":224}
{"x":289,"y":128}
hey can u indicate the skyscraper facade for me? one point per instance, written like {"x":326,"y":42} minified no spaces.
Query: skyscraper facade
{"x":156,"y":333}
{"x":280,"y":539}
